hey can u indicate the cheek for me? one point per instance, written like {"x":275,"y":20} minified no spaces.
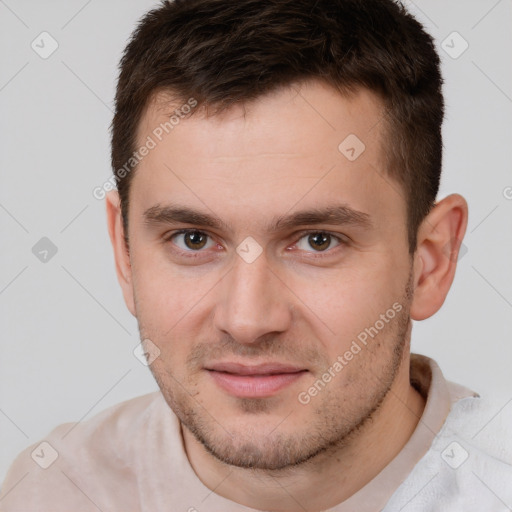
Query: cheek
{"x":174,"y":310}
{"x":166,"y":294}
{"x":347,"y":302}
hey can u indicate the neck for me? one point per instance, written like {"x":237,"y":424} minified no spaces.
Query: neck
{"x":331,"y":477}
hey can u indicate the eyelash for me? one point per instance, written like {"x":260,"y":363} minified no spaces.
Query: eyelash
{"x":342,"y":241}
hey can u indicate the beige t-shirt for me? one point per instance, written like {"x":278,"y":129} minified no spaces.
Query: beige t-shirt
{"x":131,"y":457}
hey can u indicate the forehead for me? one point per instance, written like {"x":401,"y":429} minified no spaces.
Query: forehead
{"x":284,"y":119}
{"x":304,"y":144}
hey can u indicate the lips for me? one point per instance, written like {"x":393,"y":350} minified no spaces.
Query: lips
{"x":258,"y":369}
{"x":254,"y":381}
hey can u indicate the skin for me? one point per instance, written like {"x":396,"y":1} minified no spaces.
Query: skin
{"x":294,"y":304}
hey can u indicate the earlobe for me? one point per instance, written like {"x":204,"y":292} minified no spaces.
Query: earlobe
{"x":121,"y":253}
{"x":439,"y":239}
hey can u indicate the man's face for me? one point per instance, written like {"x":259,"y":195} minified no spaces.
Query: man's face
{"x":246,"y":337}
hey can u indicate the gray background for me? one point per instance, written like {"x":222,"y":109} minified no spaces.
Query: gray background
{"x":67,"y":339}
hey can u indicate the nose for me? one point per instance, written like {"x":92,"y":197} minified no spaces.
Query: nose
{"x":254,"y":302}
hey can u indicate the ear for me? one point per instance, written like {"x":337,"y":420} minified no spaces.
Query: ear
{"x":121,"y":252}
{"x":439,"y":238}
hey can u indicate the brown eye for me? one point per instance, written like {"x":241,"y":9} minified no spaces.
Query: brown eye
{"x":192,"y":240}
{"x":195,"y":240}
{"x":319,"y":241}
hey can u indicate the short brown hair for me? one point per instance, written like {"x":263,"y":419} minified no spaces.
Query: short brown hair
{"x":223,"y":52}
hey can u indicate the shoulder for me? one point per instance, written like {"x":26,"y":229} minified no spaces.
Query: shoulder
{"x":78,"y":458}
{"x":112,"y":432}
{"x":484,"y":425}
{"x":469,"y":464}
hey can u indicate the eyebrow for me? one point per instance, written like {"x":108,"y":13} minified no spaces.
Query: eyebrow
{"x":336,"y":215}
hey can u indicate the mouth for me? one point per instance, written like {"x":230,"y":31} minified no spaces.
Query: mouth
{"x":254,"y":381}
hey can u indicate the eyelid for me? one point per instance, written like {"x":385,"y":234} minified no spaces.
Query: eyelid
{"x":340,"y":236}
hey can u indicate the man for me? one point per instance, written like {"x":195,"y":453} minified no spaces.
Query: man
{"x":275,"y":230}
